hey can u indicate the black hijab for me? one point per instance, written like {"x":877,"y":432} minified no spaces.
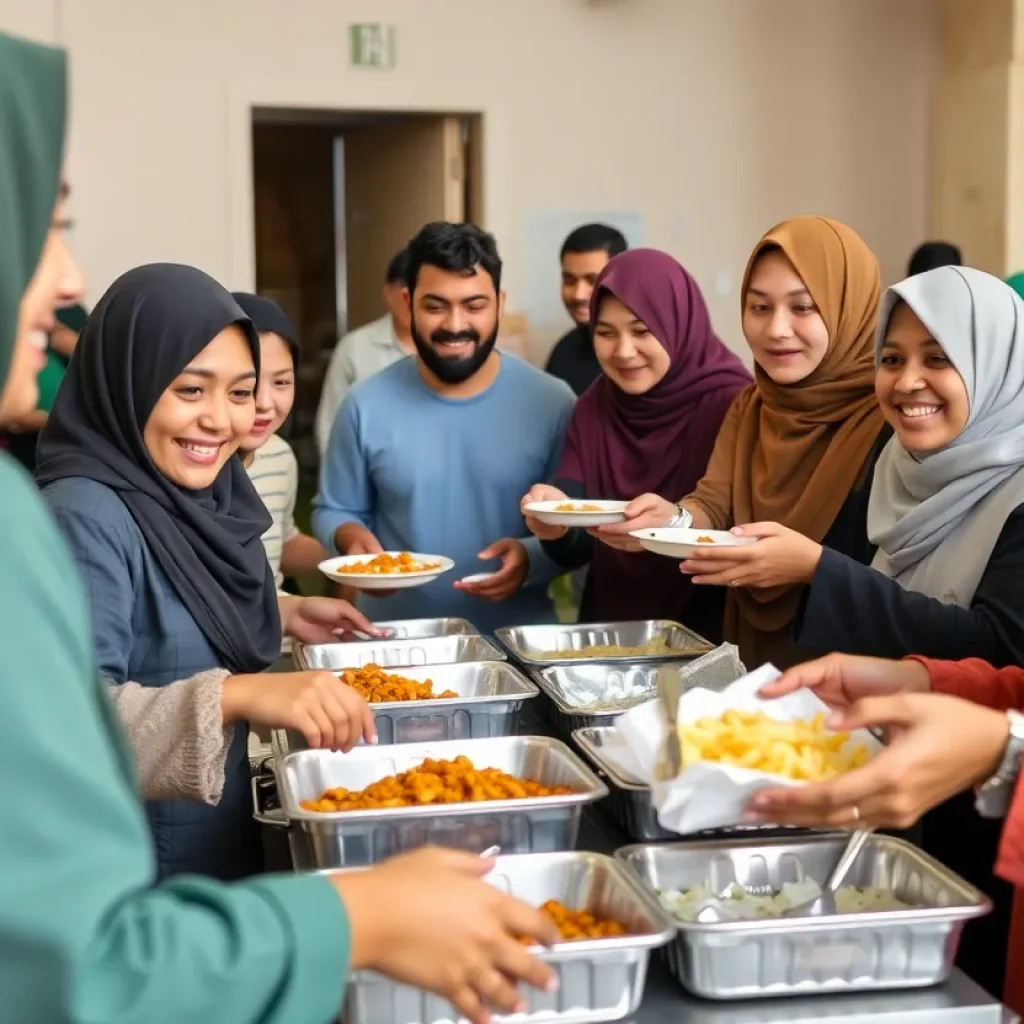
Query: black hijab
{"x":145,"y":330}
{"x":268,"y":316}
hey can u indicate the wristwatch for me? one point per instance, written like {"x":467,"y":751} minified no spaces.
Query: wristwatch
{"x":683,"y":520}
{"x":996,"y":794}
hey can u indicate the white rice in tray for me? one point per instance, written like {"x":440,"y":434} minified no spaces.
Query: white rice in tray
{"x":685,"y":903}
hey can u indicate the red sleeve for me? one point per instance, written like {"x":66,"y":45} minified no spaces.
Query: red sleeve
{"x":976,"y":680}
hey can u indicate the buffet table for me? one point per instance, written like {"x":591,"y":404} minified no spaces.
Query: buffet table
{"x":958,"y":1001}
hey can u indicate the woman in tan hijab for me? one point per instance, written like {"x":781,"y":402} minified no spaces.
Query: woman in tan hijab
{"x":792,"y":464}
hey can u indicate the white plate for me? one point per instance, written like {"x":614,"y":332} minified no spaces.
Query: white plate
{"x":545,"y":511}
{"x":675,"y":542}
{"x":478,"y":577}
{"x":334,"y":568}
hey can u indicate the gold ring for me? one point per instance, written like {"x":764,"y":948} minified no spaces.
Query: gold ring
{"x":856,"y":813}
{"x":734,"y":583}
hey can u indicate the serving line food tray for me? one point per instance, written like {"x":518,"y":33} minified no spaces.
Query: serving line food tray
{"x":754,"y":959}
{"x":435,"y":650}
{"x":534,"y":645}
{"x":420,"y":629}
{"x":599,"y":980}
{"x":490,"y":697}
{"x":360,"y":838}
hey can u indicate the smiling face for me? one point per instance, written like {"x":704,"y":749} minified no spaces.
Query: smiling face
{"x":630,"y":356}
{"x":920,"y":392}
{"x":56,"y":282}
{"x":275,"y":394}
{"x":580,"y":271}
{"x":782,"y":324}
{"x":200,"y":420}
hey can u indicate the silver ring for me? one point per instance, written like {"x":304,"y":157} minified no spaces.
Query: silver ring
{"x":734,"y":583}
{"x":856,"y":813}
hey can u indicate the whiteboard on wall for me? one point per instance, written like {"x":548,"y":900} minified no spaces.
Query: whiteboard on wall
{"x":544,"y":231}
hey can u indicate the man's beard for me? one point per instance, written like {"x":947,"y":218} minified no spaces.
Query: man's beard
{"x":448,"y":370}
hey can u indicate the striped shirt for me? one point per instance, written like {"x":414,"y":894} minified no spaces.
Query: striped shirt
{"x":274,"y":472}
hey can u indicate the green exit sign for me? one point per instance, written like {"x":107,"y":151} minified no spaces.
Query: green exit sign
{"x":371,"y":45}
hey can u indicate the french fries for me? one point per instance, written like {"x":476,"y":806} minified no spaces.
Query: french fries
{"x":800,"y":750}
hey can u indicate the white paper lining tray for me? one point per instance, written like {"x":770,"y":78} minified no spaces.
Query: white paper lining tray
{"x":804,"y":956}
{"x":360,"y":838}
{"x":421,"y":629}
{"x":436,"y":650}
{"x":491,"y":695}
{"x":534,"y":645}
{"x":599,"y":980}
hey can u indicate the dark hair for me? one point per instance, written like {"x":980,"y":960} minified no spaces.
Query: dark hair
{"x":457,"y":248}
{"x":595,"y":238}
{"x":932,"y":255}
{"x":397,"y":267}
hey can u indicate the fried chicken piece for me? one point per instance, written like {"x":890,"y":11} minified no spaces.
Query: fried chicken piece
{"x":434,"y":782}
{"x":377,"y":686}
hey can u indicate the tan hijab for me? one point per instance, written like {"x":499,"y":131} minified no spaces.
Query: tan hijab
{"x":802,"y":448}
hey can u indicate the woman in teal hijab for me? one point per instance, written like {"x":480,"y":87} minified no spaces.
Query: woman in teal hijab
{"x":1016,"y":282}
{"x":85,"y":934}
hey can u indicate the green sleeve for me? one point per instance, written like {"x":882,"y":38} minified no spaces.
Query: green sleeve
{"x":85,"y":935}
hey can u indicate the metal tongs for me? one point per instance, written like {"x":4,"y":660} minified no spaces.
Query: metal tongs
{"x":670,"y":757}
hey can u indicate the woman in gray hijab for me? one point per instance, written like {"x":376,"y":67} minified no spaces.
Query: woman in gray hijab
{"x":947,"y":515}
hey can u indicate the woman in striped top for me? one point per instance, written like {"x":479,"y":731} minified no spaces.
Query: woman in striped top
{"x":268,"y":458}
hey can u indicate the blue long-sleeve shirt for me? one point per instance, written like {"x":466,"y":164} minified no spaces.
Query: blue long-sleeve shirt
{"x":445,"y":476}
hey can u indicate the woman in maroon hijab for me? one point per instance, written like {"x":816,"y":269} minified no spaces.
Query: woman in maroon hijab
{"x":647,"y":424}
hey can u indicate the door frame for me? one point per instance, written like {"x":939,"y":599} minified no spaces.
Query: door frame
{"x":378,"y":92}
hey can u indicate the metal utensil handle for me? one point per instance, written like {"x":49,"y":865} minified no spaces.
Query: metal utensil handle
{"x":846,"y":860}
{"x":274,"y":816}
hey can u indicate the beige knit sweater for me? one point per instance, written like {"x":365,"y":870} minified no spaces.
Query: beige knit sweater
{"x":177,"y":733}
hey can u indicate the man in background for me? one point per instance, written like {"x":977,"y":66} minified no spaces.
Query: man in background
{"x":584,"y":255}
{"x":432,"y":454}
{"x":932,"y":255}
{"x":364,"y":351}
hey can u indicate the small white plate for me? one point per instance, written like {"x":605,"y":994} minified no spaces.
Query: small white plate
{"x":478,"y":577}
{"x":547,"y":512}
{"x":675,"y":542}
{"x":334,"y":569}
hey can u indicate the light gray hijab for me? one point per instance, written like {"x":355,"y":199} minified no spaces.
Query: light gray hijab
{"x":936,"y":518}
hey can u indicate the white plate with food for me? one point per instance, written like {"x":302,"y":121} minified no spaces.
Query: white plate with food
{"x":583,"y":512}
{"x":390,"y":570}
{"x":676,"y":542}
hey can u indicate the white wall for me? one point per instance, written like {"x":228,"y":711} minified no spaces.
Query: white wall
{"x":713,"y":118}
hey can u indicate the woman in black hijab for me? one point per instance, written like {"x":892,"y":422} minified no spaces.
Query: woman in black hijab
{"x":138,"y":462}
{"x":932,"y":255}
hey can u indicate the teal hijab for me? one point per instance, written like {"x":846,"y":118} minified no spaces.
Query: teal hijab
{"x":33,"y":108}
{"x":1016,"y":282}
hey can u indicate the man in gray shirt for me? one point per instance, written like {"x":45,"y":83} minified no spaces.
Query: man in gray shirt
{"x":364,"y":351}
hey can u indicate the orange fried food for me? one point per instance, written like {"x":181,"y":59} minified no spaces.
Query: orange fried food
{"x":579,"y":925}
{"x":376,"y":686}
{"x":433,"y":782}
{"x":705,"y":540}
{"x":570,"y":506}
{"x":388,"y":565}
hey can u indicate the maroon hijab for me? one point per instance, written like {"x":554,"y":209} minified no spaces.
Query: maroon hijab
{"x":620,"y":445}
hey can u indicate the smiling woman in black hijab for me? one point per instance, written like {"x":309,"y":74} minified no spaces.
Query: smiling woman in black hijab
{"x":145,"y":331}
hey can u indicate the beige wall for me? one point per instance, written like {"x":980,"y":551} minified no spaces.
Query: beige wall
{"x":713,"y":118}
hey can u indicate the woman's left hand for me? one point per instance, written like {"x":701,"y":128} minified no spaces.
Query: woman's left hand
{"x":780,"y":556}
{"x":322,"y":620}
{"x":917,"y":770}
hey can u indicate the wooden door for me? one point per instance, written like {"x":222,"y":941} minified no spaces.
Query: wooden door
{"x":399,"y":175}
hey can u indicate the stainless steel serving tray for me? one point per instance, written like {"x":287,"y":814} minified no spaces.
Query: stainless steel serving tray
{"x":421,"y":629}
{"x":490,"y":697}
{"x":599,"y":980}
{"x":360,"y":838}
{"x":534,"y":645}
{"x":568,"y":686}
{"x":435,"y":650}
{"x":804,"y":956}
